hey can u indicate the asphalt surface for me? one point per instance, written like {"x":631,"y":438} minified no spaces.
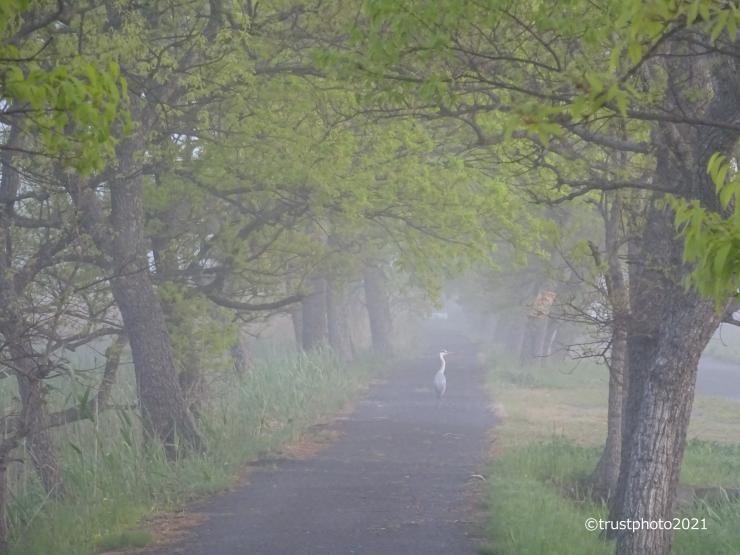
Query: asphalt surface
{"x":400,"y":478}
{"x":717,"y":377}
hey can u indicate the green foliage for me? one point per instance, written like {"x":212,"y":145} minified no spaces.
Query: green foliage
{"x":200,"y":333}
{"x":10,"y":16}
{"x":712,"y":239}
{"x":539,"y":88}
{"x":75,"y":107}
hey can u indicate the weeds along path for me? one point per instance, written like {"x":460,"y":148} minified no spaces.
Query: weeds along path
{"x":400,"y":478}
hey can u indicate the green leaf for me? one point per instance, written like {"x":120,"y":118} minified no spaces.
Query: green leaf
{"x":693,"y":12}
{"x":721,"y":258}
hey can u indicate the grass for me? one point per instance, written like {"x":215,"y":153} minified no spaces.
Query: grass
{"x":125,"y":539}
{"x":549,"y":441}
{"x":113,"y":481}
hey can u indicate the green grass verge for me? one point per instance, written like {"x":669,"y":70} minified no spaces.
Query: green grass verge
{"x":112,"y":481}
{"x":549,"y":440}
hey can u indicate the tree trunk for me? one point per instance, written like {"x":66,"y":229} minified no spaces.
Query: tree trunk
{"x":162,"y":402}
{"x":3,"y":506}
{"x":548,"y":339}
{"x":607,"y":472}
{"x":530,"y":327}
{"x":29,"y":376}
{"x":337,"y":312}
{"x":38,"y":441}
{"x":121,"y":238}
{"x":664,"y":391}
{"x":535,"y":332}
{"x":669,"y":325}
{"x":378,"y":310}
{"x":296,"y":317}
{"x":163,"y":405}
{"x":241,"y":355}
{"x":669,"y":328}
{"x":314,"y":328}
{"x":14,"y":327}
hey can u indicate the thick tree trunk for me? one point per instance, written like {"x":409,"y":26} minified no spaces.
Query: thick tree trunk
{"x":378,"y":310}
{"x":669,"y":326}
{"x":163,"y":405}
{"x":314,"y":328}
{"x":121,"y":238}
{"x":337,"y":312}
{"x":162,"y":402}
{"x":657,"y":430}
{"x":668,"y":330}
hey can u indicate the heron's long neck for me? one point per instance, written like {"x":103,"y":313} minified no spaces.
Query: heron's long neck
{"x":441,"y":366}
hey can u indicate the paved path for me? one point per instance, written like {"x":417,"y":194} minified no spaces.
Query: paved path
{"x":397,"y":481}
{"x":718,"y":377}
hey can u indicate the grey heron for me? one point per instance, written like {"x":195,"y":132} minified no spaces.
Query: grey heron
{"x":440,"y":381}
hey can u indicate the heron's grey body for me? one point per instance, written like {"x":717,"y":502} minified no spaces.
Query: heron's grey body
{"x":440,"y":381}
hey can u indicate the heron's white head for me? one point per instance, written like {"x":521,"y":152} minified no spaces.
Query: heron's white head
{"x":444,"y":352}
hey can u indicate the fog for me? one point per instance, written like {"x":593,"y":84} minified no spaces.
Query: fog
{"x":319,"y":277}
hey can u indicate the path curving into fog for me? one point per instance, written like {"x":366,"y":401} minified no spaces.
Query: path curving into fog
{"x":398,"y":480}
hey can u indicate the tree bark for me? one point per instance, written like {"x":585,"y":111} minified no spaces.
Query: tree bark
{"x":670,"y":325}
{"x":121,"y":237}
{"x":378,"y":310}
{"x":607,"y":472}
{"x":655,"y":436}
{"x":606,"y":475}
{"x":337,"y":312}
{"x":162,"y":402}
{"x":163,"y":405}
{"x":38,"y":441}
{"x":314,"y":328}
